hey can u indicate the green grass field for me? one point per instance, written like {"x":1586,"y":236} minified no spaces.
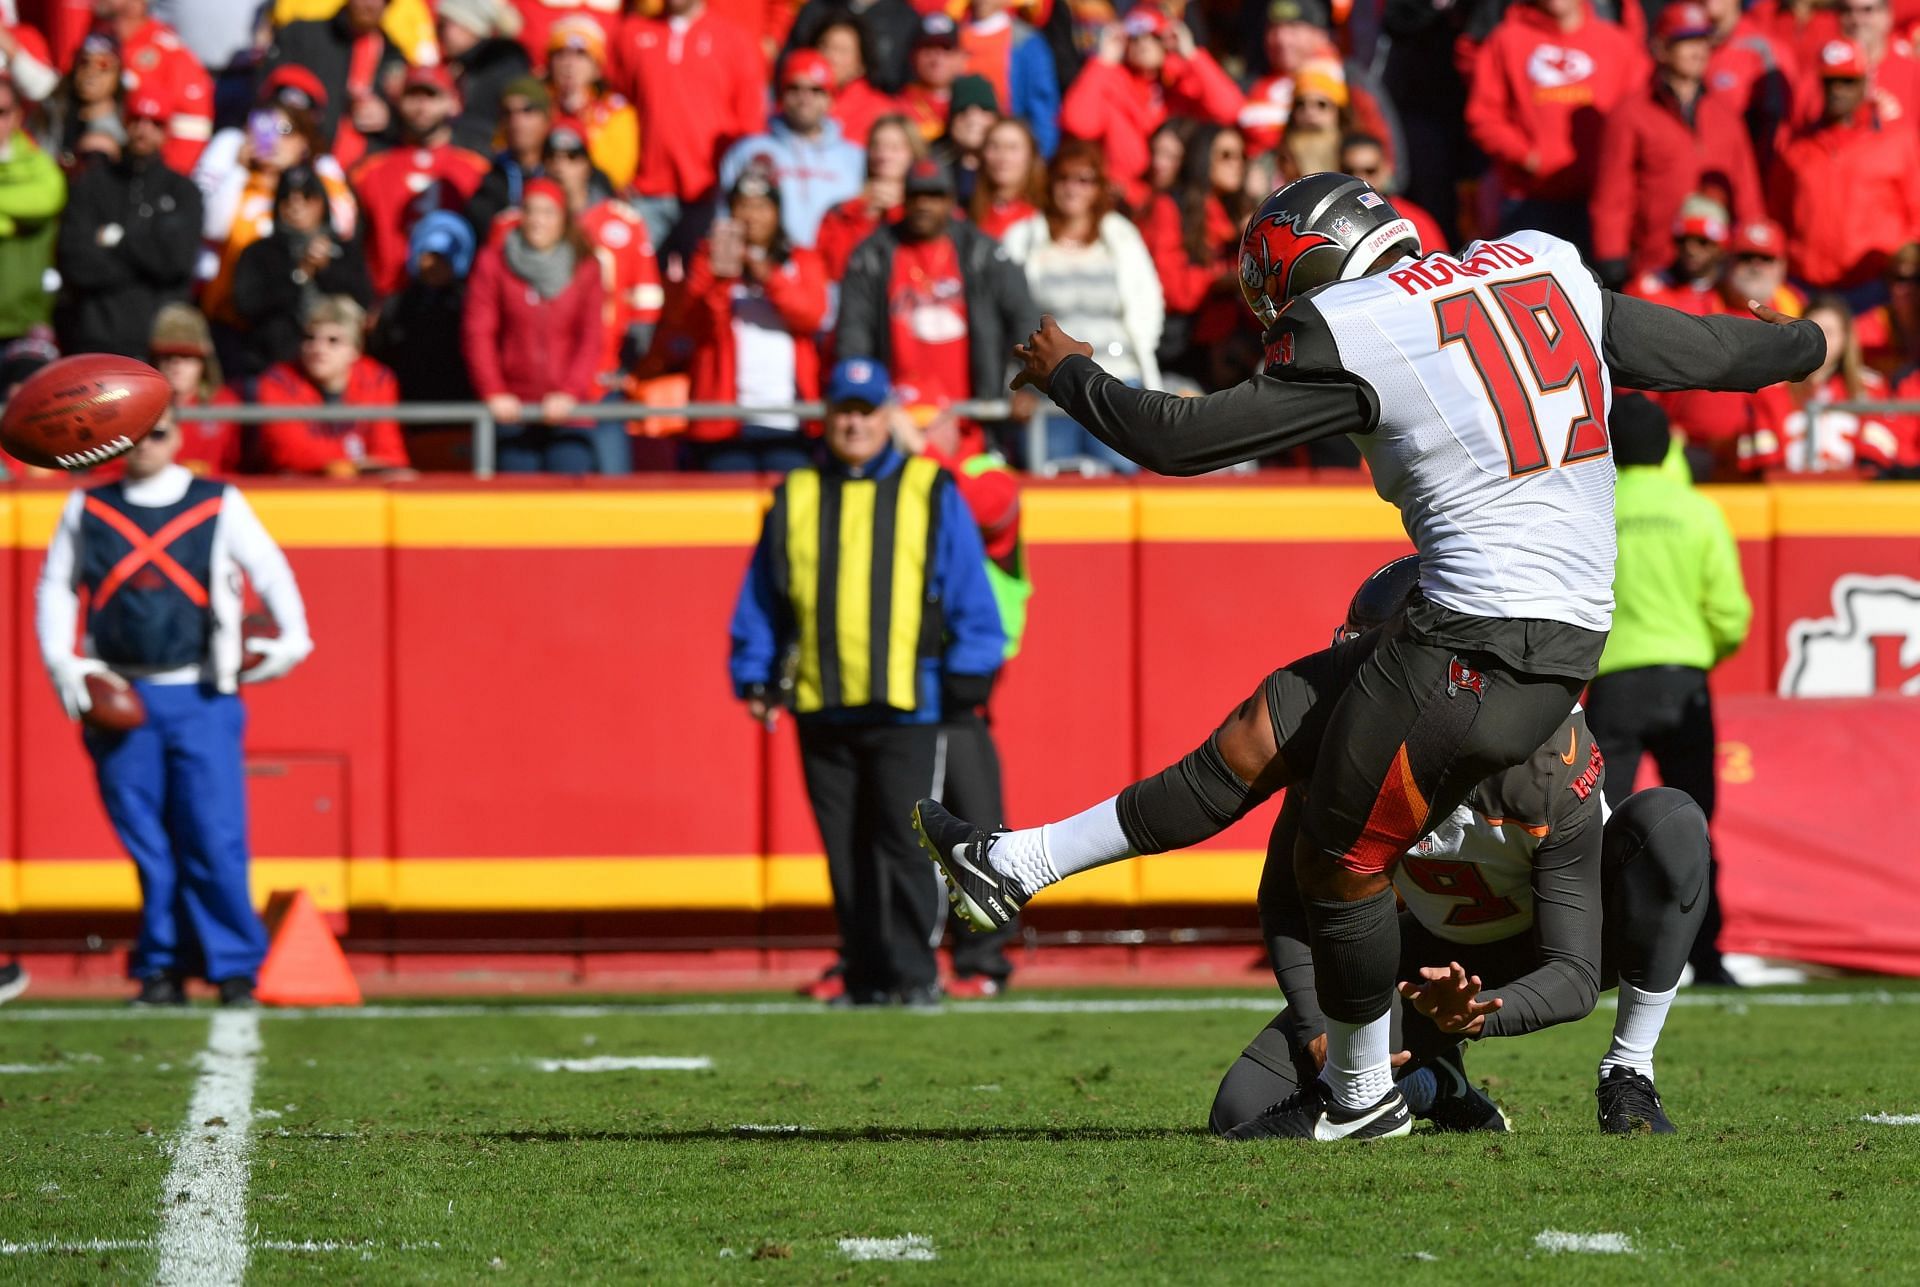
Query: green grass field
{"x":1022,"y":1142}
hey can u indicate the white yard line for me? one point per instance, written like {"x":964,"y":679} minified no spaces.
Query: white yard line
{"x":203,"y":1209}
{"x":14,"y":1069}
{"x":627,"y":1063}
{"x":1247,"y":1001}
{"x":1893,"y":1119}
{"x":911,"y":1246}
{"x":72,"y":1248}
{"x":1605,"y":1244}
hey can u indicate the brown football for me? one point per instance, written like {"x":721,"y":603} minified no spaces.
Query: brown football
{"x":258,"y":625}
{"x":82,"y":410}
{"x":116,"y":707}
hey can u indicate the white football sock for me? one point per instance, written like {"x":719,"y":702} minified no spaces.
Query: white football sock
{"x":1636,"y":1028}
{"x":1359,"y":1068}
{"x":1038,"y":856}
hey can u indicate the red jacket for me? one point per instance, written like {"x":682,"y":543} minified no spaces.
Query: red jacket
{"x":845,"y":227}
{"x":1652,"y":159}
{"x":1208,"y":289}
{"x":857,"y":105}
{"x":154,"y":57}
{"x":1846,"y":440}
{"x":1848,"y":196}
{"x":1541,"y":91}
{"x":1894,"y":89}
{"x":396,"y":188}
{"x":1803,"y":38}
{"x":1757,"y":73}
{"x":629,"y":269}
{"x":704,"y":318}
{"x":309,"y":446}
{"x":1115,"y":107}
{"x":516,"y":342}
{"x":658,"y":65}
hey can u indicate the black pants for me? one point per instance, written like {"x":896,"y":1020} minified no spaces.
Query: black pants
{"x":887,"y":898}
{"x":1665,"y":711}
{"x":970,"y":787}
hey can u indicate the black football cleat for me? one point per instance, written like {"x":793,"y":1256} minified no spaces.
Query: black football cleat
{"x":1311,"y":1114}
{"x":236,"y":993}
{"x":1629,"y":1105}
{"x":13,"y":981}
{"x":1459,"y":1105}
{"x":160,"y":989}
{"x":983,"y":897}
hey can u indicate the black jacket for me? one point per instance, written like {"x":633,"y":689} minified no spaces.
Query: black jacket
{"x":889,"y":26}
{"x":325,"y":48}
{"x":268,"y":297}
{"x":128,"y":242}
{"x":483,"y":73}
{"x":1000,"y":312}
{"x":418,"y":338}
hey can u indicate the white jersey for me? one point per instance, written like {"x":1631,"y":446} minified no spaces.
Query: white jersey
{"x":1493,"y":396}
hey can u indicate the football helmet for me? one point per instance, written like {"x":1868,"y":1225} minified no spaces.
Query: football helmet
{"x":1320,"y":229}
{"x":1384,"y":592}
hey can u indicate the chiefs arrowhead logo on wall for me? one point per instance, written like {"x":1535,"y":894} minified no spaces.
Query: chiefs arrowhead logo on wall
{"x":1871,"y":643}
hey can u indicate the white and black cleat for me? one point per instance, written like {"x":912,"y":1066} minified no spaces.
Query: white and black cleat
{"x":1459,"y":1105}
{"x":14,"y":980}
{"x":1629,"y":1105}
{"x":1311,"y":1114}
{"x":982,"y":896}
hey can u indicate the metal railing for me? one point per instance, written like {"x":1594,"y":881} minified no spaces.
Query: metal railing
{"x":486,"y":430}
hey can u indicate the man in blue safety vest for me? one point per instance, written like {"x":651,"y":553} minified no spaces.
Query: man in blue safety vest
{"x":159,"y":555}
{"x":870,"y":569}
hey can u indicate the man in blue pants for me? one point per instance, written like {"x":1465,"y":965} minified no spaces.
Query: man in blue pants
{"x":159,"y":555}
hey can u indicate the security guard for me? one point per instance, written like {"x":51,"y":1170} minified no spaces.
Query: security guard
{"x":160,"y":554}
{"x":871,"y":568}
{"x":1680,"y":609}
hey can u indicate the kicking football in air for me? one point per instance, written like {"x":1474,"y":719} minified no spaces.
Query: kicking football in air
{"x":1477,"y":386}
{"x":83,"y":410}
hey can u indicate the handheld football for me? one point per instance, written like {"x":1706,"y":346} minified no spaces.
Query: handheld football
{"x":115,"y":707}
{"x":83,"y":410}
{"x":257,"y":625}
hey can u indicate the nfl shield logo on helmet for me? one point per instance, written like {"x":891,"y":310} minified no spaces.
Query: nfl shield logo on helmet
{"x":1342,"y":226}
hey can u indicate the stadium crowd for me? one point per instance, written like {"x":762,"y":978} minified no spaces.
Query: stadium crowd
{"x":538,"y":204}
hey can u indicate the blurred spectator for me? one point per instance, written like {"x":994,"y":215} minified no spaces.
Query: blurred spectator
{"x":1166,"y":155}
{"x":1017,"y":63}
{"x":239,"y":179}
{"x":354,"y":62}
{"x":526,"y":118}
{"x":934,"y":299}
{"x":279,"y":278}
{"x":418,"y":333}
{"x":1193,"y":234}
{"x":629,"y":269}
{"x":539,"y":16}
{"x":1542,"y":85}
{"x":533,"y":338}
{"x":1690,"y":281}
{"x":937,"y":62}
{"x":1845,"y":187}
{"x":750,"y":308}
{"x":1757,"y":73}
{"x":24,"y":58}
{"x":87,"y":95}
{"x":892,"y":148}
{"x":972,"y":110}
{"x":331,"y":371}
{"x":856,"y":103}
{"x":657,"y":59}
{"x":876,"y":673}
{"x":1013,"y":179}
{"x":1321,"y":117}
{"x":813,"y":166}
{"x":426,"y":172}
{"x":181,"y":348}
{"x":1680,"y":609}
{"x":1086,"y":264}
{"x":32,"y":194}
{"x":1802,"y":26}
{"x":221,"y":36}
{"x":1365,"y":157}
{"x":1428,"y":59}
{"x":1889,"y":334}
{"x":888,"y":30}
{"x":1297,"y":38}
{"x":22,"y":357}
{"x":406,"y":23}
{"x":576,"y":62}
{"x":1789,"y":440}
{"x":1674,"y":138}
{"x":477,"y":43}
{"x":128,"y":240}
{"x":1893,"y":75}
{"x":153,"y":59}
{"x":1144,"y":71}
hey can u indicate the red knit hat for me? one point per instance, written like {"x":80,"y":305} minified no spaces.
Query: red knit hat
{"x":543,"y":188}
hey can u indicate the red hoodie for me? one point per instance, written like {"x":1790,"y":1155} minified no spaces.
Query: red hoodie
{"x":704,"y":315}
{"x":310,"y":446}
{"x":697,"y":85}
{"x":1541,"y":91}
{"x":1119,"y":109}
{"x":1848,"y":196}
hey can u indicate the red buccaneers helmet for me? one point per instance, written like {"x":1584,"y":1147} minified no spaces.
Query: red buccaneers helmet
{"x":1323,"y":228}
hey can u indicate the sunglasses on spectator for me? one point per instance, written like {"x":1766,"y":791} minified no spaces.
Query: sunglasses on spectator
{"x":1860,"y":8}
{"x":159,"y":433}
{"x":1904,"y":279}
{"x":1079,"y":177}
{"x":567,"y":153}
{"x":523,"y":109}
{"x":1317,"y":103}
{"x":804,"y":87}
{"x":323,"y":337}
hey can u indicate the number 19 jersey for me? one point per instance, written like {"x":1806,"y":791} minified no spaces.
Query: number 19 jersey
{"x":1492,"y":438}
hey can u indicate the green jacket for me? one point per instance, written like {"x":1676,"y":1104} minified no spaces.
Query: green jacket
{"x":1678,"y":596}
{"x":1011,"y":588}
{"x":32,"y":194}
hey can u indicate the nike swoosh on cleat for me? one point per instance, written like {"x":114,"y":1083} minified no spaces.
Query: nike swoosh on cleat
{"x":958,"y":859}
{"x":1328,"y":1129}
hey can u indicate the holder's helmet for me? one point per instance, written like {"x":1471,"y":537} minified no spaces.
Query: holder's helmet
{"x":1320,"y":229}
{"x":1384,"y":592}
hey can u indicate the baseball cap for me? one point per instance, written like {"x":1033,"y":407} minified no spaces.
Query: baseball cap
{"x":756,"y":181}
{"x":1315,"y":13}
{"x":543,"y":187}
{"x":564,"y":138}
{"x":806,"y":67}
{"x":939,"y":30}
{"x":859,"y":380}
{"x":1324,"y":77}
{"x":577,"y":31}
{"x":145,"y":105}
{"x":442,"y":233}
{"x":302,"y":179}
{"x":972,"y":91}
{"x":1146,"y":20}
{"x":1761,"y":237}
{"x":1685,"y":20}
{"x":929,"y":179}
{"x":1702,"y":217}
{"x":294,"y":86}
{"x":531,"y":88}
{"x":98,"y":44}
{"x":435,"y":78}
{"x":180,"y":330}
{"x":1842,"y":60}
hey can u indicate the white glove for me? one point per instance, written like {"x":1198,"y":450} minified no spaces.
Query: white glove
{"x":278,"y":655}
{"x":70,"y":682}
